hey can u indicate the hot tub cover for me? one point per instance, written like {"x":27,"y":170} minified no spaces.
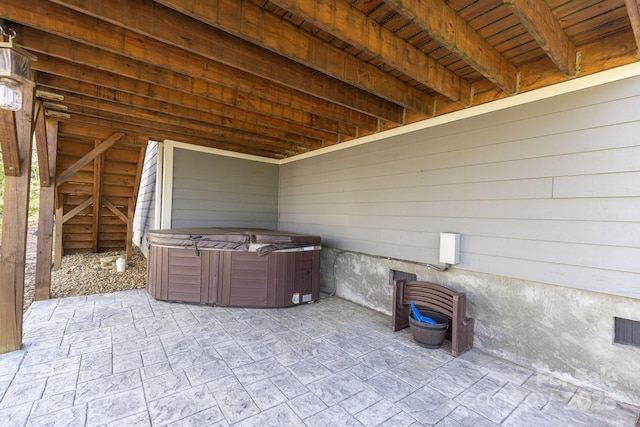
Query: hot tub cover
{"x":262,"y":241}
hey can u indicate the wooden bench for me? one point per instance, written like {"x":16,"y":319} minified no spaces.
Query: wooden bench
{"x":431,"y":297}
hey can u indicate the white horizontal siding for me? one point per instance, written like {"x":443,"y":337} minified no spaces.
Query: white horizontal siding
{"x":428,"y":153}
{"x":594,"y":209}
{"x":146,"y":193}
{"x":470,"y":166}
{"x":211,"y":190}
{"x":548,"y":191}
{"x":601,"y":185}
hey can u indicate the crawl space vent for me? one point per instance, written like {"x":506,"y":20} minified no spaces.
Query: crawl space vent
{"x":626,"y":331}
{"x":400,"y":275}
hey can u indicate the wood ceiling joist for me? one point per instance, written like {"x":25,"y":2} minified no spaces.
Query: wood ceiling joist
{"x":633,"y":10}
{"x":203,"y":52}
{"x":576,"y":17}
{"x":108,"y":55}
{"x":193,"y":124}
{"x":120,"y":115}
{"x":274,"y":116}
{"x":446,"y":26}
{"x":355,"y":28}
{"x":595,"y":57}
{"x":63,"y":85}
{"x":484,"y":14}
{"x":89,"y":125}
{"x":543,"y":26}
{"x":136,"y":77}
{"x":249,"y":22}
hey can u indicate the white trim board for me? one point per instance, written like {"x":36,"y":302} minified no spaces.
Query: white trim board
{"x":159,"y":196}
{"x":167,"y":184}
{"x":592,"y":80}
{"x":208,"y":150}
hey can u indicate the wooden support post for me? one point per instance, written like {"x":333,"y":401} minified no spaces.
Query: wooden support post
{"x":40,"y":133}
{"x":45,"y":215}
{"x":14,"y":233}
{"x":9,"y":143}
{"x":129,"y":243}
{"x":98,"y":162}
{"x":59,"y":251}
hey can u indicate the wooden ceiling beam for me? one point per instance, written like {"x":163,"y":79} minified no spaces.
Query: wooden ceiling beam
{"x":106,"y":144}
{"x":70,"y":59}
{"x":354,"y":27}
{"x":633,"y":10}
{"x":189,"y":47}
{"x":65,"y":86}
{"x":168,"y":131}
{"x":446,"y":26}
{"x":249,"y":22}
{"x":596,"y":56}
{"x":89,"y":124}
{"x":107,"y":109}
{"x":106,"y":84}
{"x":543,"y":26}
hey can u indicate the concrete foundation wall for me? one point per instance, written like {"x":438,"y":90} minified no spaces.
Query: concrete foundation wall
{"x":555,"y":330}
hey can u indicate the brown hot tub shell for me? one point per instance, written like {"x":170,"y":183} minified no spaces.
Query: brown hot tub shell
{"x":234,"y":267}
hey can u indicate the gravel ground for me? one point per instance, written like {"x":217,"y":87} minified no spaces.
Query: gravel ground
{"x":82,"y":273}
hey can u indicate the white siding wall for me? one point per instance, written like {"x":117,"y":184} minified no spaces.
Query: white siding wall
{"x":211,"y":190}
{"x":145,"y":206}
{"x":548,"y":191}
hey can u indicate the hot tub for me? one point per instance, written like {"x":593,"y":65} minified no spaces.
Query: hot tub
{"x":233,"y":267}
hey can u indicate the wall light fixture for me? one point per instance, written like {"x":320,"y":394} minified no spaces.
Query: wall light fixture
{"x":15,"y":71}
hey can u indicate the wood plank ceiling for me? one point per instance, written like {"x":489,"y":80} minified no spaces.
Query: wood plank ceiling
{"x":272,"y":78}
{"x":282,"y":77}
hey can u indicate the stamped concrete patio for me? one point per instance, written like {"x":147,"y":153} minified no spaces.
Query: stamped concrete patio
{"x":124,"y":359}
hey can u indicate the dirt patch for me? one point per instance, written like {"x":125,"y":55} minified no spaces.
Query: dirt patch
{"x":82,"y":273}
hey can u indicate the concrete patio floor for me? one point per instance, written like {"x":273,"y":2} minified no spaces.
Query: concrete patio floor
{"x":124,"y":359}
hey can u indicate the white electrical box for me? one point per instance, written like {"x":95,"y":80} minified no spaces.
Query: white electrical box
{"x":450,"y":248}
